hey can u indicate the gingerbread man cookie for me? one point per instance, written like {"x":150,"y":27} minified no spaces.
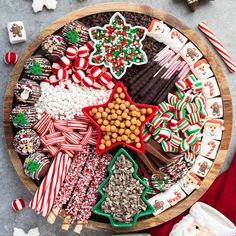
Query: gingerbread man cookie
{"x":39,"y":4}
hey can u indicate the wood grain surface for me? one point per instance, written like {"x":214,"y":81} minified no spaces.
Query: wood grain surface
{"x":188,"y":32}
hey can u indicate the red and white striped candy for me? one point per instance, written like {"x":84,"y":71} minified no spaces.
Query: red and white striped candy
{"x":218,"y":46}
{"x":55,"y":67}
{"x":71,"y":52}
{"x":105,"y":78}
{"x":62,"y":74}
{"x":10,"y":58}
{"x":89,"y":45}
{"x":78,"y":76}
{"x":80,"y":63}
{"x":83,"y":51}
{"x":95,"y":71}
{"x":110,"y":85}
{"x":65,"y":62}
{"x":18,"y":204}
{"x":53,"y":79}
{"x":88,"y":81}
{"x":96,"y":85}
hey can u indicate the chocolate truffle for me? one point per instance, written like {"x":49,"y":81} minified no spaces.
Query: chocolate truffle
{"x":24,"y":116}
{"x":27,"y":91}
{"x":36,"y":165}
{"x":37,"y":68}
{"x":75,"y":33}
{"x":26,"y":141}
{"x":53,"y":47}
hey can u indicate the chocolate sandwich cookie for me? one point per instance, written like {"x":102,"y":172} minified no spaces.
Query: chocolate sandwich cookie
{"x":36,"y":165}
{"x":26,"y":141}
{"x":37,"y":68}
{"x":75,"y":33}
{"x":27,"y":91}
{"x":53,"y":47}
{"x":24,"y":116}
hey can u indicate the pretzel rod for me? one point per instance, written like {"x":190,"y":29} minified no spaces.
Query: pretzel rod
{"x":218,"y":46}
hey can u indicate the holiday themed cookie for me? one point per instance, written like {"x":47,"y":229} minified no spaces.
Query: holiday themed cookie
{"x":27,"y":91}
{"x":158,"y":30}
{"x":122,"y":44}
{"x":201,"y":166}
{"x":213,"y":128}
{"x":210,"y":88}
{"x":37,"y":68}
{"x":26,"y":141}
{"x":190,"y":53}
{"x":75,"y":33}
{"x":201,"y":69}
{"x":175,"y":40}
{"x":36,"y":165}
{"x":174,"y":195}
{"x":53,"y":47}
{"x":16,"y":32}
{"x":159,"y":203}
{"x":189,"y":182}
{"x":23,"y":116}
{"x":209,"y":147}
{"x":214,"y":107}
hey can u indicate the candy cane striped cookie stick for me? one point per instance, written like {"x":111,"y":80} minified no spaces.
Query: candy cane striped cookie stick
{"x":218,"y":46}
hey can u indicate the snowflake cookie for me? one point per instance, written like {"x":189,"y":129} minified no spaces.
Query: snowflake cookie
{"x":39,"y":4}
{"x":118,"y":45}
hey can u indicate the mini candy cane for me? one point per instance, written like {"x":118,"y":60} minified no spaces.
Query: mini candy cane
{"x":218,"y":46}
{"x":56,"y":140}
{"x":63,"y":128}
{"x":52,"y":135}
{"x":71,"y":147}
{"x":213,"y":147}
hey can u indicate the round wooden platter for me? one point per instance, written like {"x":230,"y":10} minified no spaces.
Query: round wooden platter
{"x":189,"y":33}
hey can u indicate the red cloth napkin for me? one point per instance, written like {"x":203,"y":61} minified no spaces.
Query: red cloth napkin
{"x":221,"y":195}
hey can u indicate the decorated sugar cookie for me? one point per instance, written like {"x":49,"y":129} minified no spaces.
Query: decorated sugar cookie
{"x":158,"y":30}
{"x":209,"y":147}
{"x":201,"y":69}
{"x":175,"y":40}
{"x":190,"y":53}
{"x":213,"y":128}
{"x":118,"y":45}
{"x":159,"y":203}
{"x":189,"y":182}
{"x":214,"y":107}
{"x":174,"y":194}
{"x":210,"y":88}
{"x":202,"y":166}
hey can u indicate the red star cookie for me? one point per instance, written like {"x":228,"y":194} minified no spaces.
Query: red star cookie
{"x":120,"y":121}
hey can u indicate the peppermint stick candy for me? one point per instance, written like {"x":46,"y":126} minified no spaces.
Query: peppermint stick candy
{"x":92,"y":194}
{"x":218,"y":46}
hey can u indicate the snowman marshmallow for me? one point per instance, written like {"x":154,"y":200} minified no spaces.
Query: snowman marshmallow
{"x":201,"y":69}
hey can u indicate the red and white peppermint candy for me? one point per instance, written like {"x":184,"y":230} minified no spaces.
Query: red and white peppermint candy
{"x":88,"y":81}
{"x":18,"y":204}
{"x":110,"y":85}
{"x":80,"y":63}
{"x":65,"y":62}
{"x":105,"y":78}
{"x":95,"y":71}
{"x":96,"y":85}
{"x":10,"y":58}
{"x":78,"y":76}
{"x":71,"y":52}
{"x":83,"y":52}
{"x":55,"y":67}
{"x":53,"y":80}
{"x":62,"y":74}
{"x":89,"y":45}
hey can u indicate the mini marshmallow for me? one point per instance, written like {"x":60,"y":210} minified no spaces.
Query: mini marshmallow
{"x":16,"y":32}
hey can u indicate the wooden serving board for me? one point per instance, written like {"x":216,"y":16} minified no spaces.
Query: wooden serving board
{"x":189,"y":33}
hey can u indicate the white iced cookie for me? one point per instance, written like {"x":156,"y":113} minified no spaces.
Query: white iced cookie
{"x":203,"y":220}
{"x":190,"y":53}
{"x":213,"y":128}
{"x":214,"y":107}
{"x":210,"y":88}
{"x":174,"y":194}
{"x":158,"y":30}
{"x":159,"y":203}
{"x":209,"y":147}
{"x":189,"y":182}
{"x":20,"y":232}
{"x":39,"y":4}
{"x":16,"y":32}
{"x":201,"y":166}
{"x":175,"y":40}
{"x":201,"y":69}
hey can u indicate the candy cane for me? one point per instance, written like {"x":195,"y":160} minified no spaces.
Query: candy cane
{"x":213,"y":146}
{"x":176,"y":34}
{"x":211,"y":87}
{"x":218,"y":46}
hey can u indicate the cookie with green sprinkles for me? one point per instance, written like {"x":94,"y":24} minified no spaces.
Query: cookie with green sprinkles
{"x":118,"y":45}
